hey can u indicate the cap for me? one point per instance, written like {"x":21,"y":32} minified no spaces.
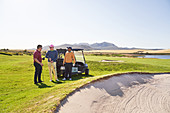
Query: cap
{"x":69,"y":48}
{"x":51,"y":46}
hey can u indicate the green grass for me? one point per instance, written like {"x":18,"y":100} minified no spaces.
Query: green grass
{"x":19,"y":94}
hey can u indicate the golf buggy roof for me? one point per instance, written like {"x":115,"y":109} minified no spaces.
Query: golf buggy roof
{"x":77,"y":49}
{"x":64,"y":50}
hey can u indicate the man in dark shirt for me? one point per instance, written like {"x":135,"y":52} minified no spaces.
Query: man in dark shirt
{"x":38,"y":64}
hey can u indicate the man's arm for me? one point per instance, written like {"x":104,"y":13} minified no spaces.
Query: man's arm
{"x":47,"y":55}
{"x":36,"y":60}
{"x":74,"y":59}
{"x":64,"y":59}
{"x":56,"y":56}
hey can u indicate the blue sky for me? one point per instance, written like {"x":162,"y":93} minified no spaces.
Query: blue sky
{"x":126,"y":23}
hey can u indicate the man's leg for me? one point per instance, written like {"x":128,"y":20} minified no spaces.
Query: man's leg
{"x":39,"y":75}
{"x":35,"y":75}
{"x":50,"y":70}
{"x":55,"y":70}
{"x":70,"y":70}
{"x":66,"y":70}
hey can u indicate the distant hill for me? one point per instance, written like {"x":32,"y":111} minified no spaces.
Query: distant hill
{"x":104,"y":46}
{"x":94,"y":46}
{"x":86,"y":46}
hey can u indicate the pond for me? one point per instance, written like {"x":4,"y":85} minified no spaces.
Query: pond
{"x":156,"y":56}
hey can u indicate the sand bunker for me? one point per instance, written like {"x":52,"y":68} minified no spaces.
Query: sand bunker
{"x":135,"y":93}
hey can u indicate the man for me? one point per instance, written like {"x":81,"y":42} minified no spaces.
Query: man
{"x":69,"y":58}
{"x":52,"y":57}
{"x":38,"y":64}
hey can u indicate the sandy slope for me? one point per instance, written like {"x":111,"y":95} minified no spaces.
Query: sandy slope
{"x":122,"y":94}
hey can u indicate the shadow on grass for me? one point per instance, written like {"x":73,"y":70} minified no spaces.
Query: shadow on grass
{"x":74,"y":77}
{"x":80,"y":76}
{"x":57,"y":82}
{"x":43,"y":85}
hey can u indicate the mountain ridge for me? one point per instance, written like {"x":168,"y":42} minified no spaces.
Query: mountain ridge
{"x":94,"y":46}
{"x":87,"y":46}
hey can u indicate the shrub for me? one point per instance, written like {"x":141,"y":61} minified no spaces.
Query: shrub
{"x":18,"y":53}
{"x":6,"y":53}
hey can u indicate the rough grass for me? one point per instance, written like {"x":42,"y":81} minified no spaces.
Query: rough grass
{"x":19,"y":94}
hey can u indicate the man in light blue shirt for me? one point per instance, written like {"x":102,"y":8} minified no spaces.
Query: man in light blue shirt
{"x":52,"y":58}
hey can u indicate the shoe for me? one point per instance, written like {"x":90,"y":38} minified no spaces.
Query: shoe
{"x":40,"y":82}
{"x":35,"y":82}
{"x":57,"y":80}
{"x":70,"y":79}
{"x":64,"y":78}
{"x":51,"y":80}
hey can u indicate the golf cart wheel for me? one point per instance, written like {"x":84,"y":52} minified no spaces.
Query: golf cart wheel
{"x":87,"y":72}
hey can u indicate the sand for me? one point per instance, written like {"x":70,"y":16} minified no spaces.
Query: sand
{"x":129,"y":93}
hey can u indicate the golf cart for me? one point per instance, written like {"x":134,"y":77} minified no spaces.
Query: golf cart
{"x":80,"y":65}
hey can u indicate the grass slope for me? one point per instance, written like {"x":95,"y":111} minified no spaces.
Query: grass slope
{"x":19,"y":94}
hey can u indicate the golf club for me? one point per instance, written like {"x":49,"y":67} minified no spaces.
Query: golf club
{"x":42,"y":70}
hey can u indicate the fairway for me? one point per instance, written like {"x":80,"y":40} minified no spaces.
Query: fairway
{"x":19,"y":94}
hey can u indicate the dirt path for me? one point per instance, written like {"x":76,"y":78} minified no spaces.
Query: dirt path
{"x":122,"y":94}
